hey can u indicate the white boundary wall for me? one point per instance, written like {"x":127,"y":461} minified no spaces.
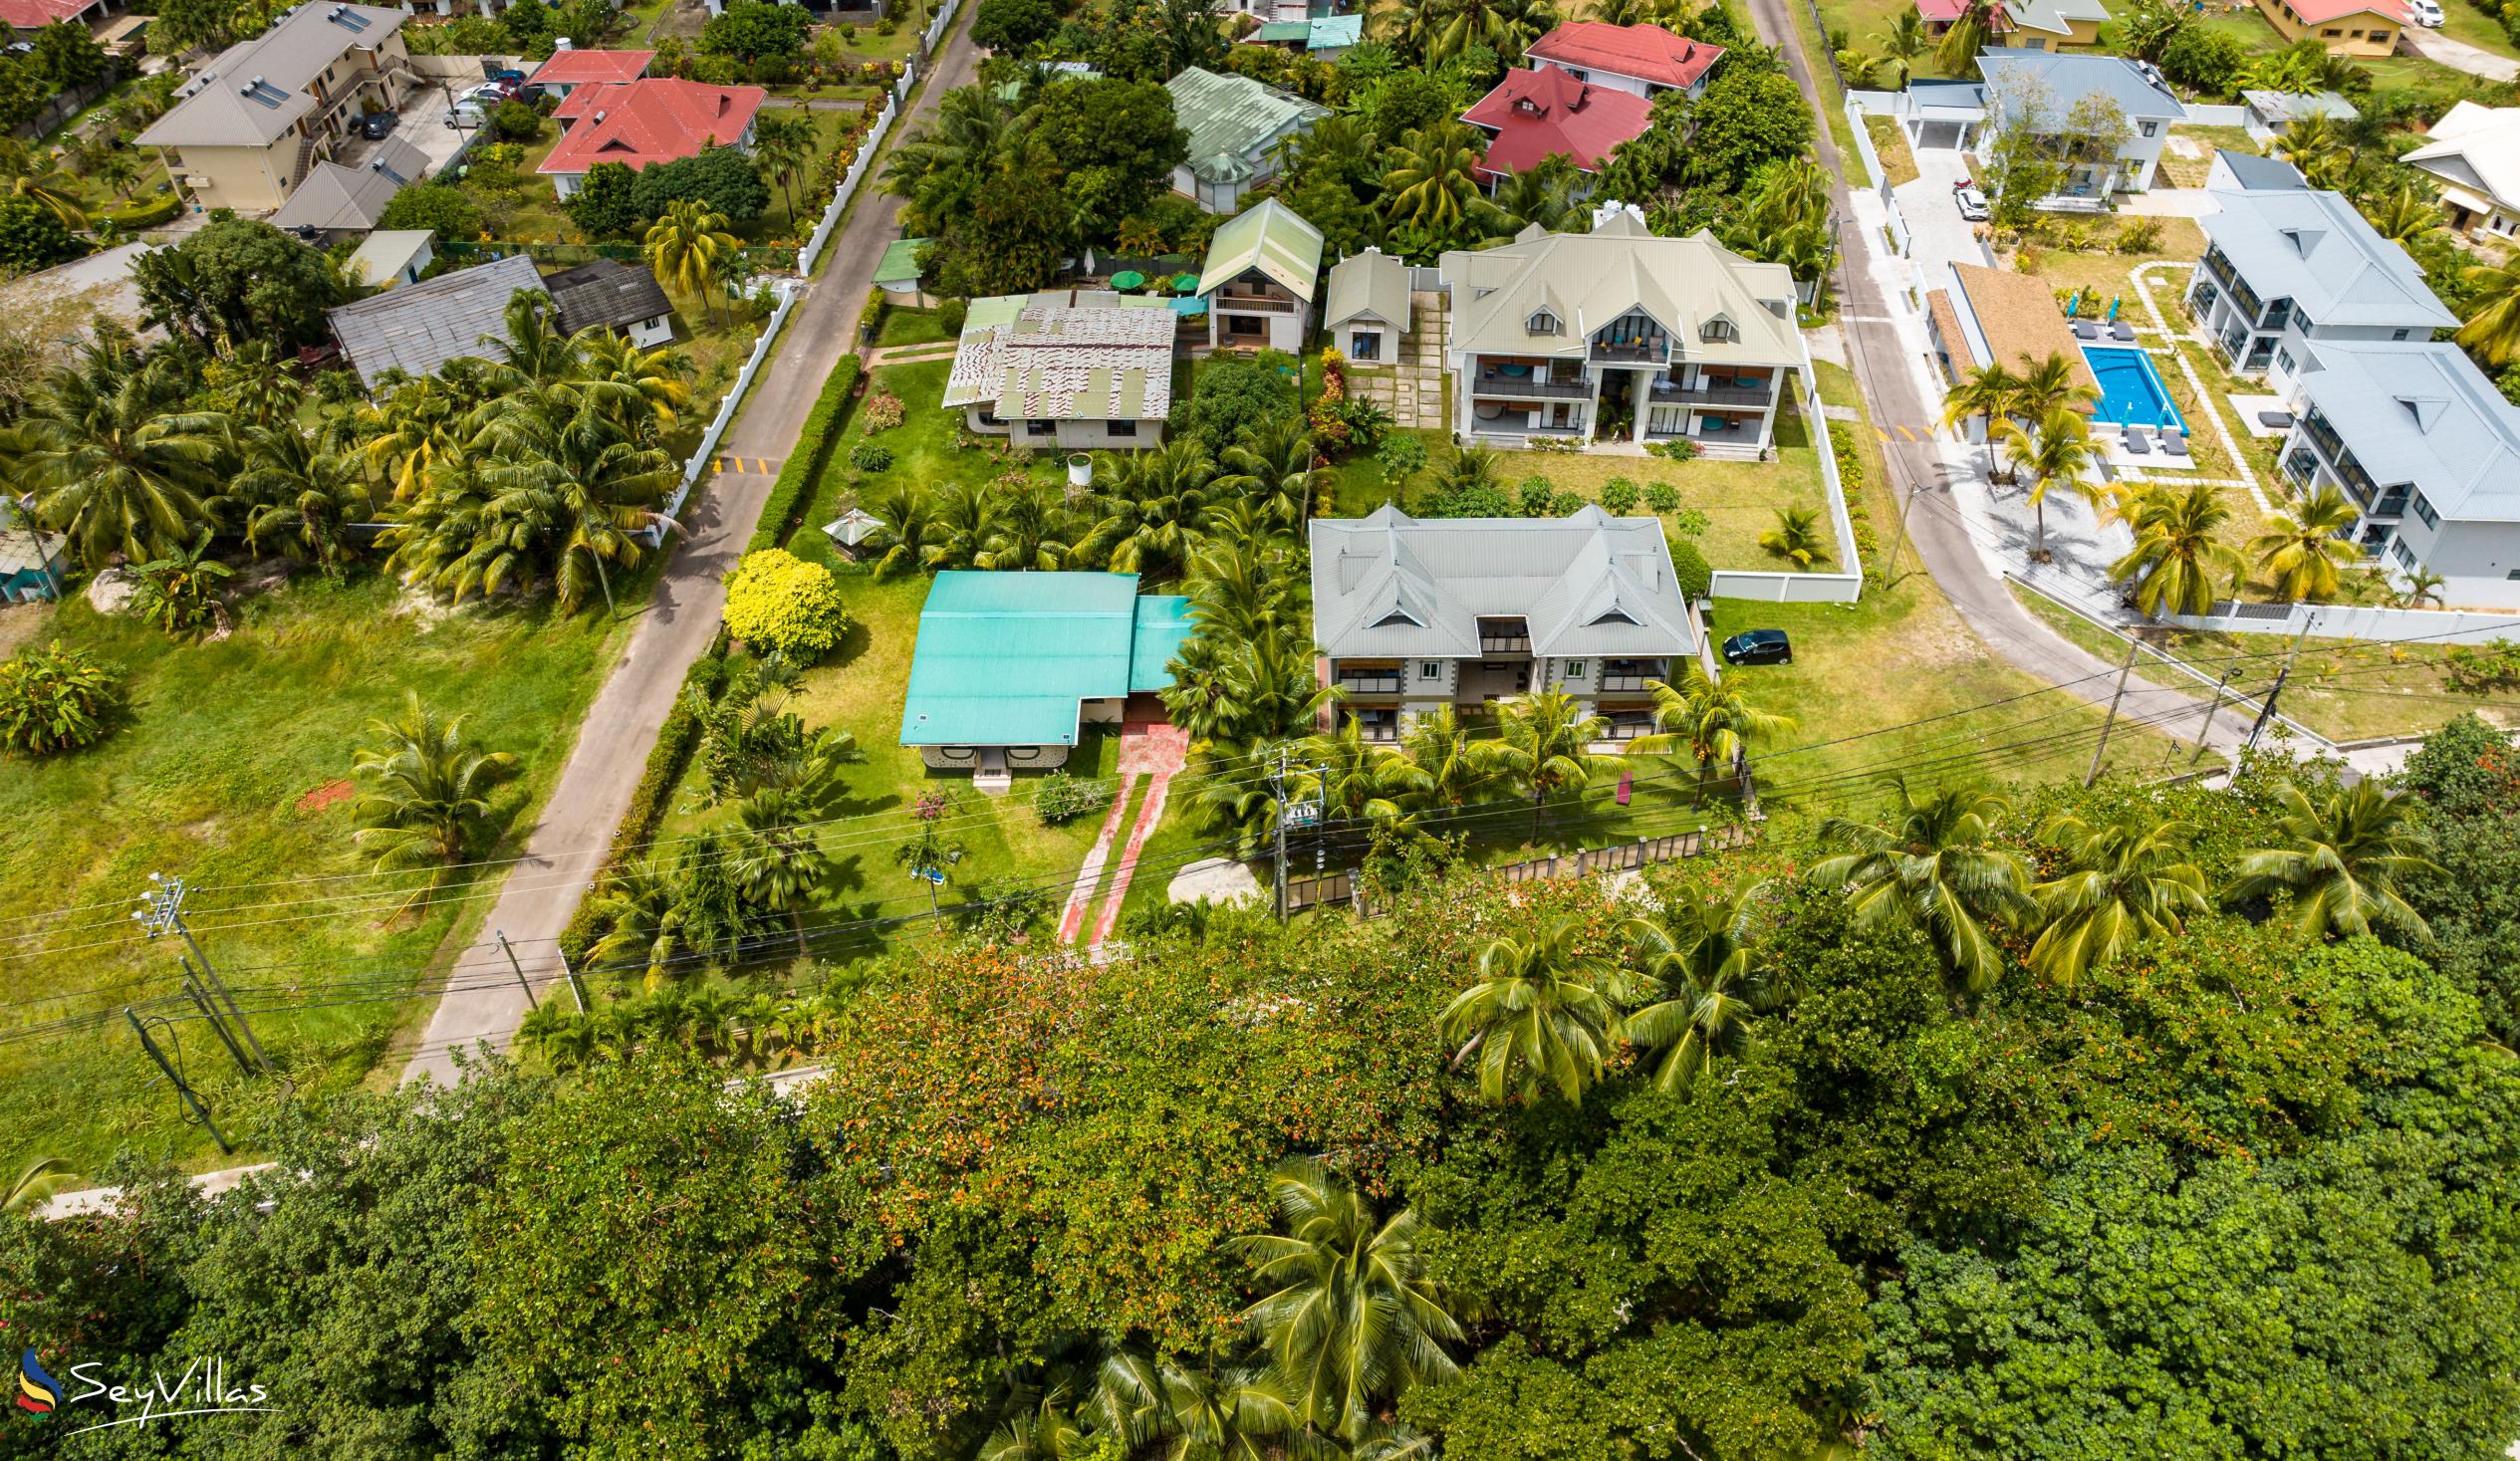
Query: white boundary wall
{"x":811,"y":255}
{"x":1782,"y":587}
{"x":790,"y":290}
{"x":2356,"y":622}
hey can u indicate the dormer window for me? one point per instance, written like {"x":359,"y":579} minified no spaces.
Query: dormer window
{"x":1397,"y":618}
{"x":1718,"y":331}
{"x":1543,"y":322}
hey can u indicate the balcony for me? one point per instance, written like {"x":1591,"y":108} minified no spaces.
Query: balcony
{"x":1645,"y":353}
{"x":1367,"y":679}
{"x":1528,"y":388}
{"x":1504,"y":636}
{"x":1613,"y":684}
{"x":2220,"y":268}
{"x":1245,"y":303}
{"x":1762,"y":394}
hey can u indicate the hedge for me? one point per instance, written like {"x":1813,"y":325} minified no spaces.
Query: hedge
{"x":805,"y":464}
{"x":677,"y":739}
{"x":141,"y":215}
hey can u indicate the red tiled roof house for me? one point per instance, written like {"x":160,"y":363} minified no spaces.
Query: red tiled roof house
{"x":646,"y":121}
{"x":569,"y":69}
{"x":1642,"y":58}
{"x":1535,"y":114}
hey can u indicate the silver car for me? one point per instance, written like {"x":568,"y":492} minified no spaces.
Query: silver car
{"x":1972,"y":204}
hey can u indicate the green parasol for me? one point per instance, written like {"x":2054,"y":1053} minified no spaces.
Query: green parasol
{"x":1128,"y":279}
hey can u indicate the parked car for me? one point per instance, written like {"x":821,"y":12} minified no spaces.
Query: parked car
{"x":533,"y":92}
{"x":511,"y":76}
{"x":1972,"y":204}
{"x":2428,"y":13}
{"x":375,"y":124}
{"x":1759,"y":647}
{"x":486,"y":94}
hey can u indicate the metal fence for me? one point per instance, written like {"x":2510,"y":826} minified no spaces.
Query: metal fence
{"x":1340,"y":888}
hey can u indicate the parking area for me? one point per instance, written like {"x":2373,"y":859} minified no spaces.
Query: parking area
{"x":423,"y":125}
{"x":1940,"y":236}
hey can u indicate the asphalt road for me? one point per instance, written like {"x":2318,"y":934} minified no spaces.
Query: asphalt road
{"x":1936,"y":530}
{"x":675,"y":629}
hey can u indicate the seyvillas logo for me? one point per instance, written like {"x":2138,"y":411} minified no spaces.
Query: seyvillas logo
{"x":201,"y":1390}
{"x":38,"y":1393}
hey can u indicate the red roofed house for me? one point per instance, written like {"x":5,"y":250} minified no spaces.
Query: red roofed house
{"x":33,"y":15}
{"x":1643,"y":58}
{"x":568,"y":69}
{"x":651,"y":120}
{"x":1537,"y":112}
{"x":2343,"y":27}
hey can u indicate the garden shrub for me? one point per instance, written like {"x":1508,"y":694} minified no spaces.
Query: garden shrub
{"x":1535,"y":493}
{"x":949,"y":316}
{"x":1677,"y":449}
{"x":813,"y":447}
{"x":1062,"y":799}
{"x":148,"y":213}
{"x":881,"y":411}
{"x":1566,"y":504}
{"x":516,"y":121}
{"x":871,"y":456}
{"x":52,"y":700}
{"x":1689,"y":564}
{"x":776,"y":601}
{"x":1664,"y":498}
{"x":1619,"y":496}
{"x":1403,"y":457}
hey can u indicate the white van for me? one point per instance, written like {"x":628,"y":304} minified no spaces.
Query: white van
{"x":466,"y":113}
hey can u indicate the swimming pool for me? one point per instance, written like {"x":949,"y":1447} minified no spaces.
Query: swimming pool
{"x":2131,"y":391}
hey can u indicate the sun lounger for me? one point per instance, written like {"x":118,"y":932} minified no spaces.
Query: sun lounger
{"x":2173,"y":441}
{"x":2086,"y":330}
{"x":2121,"y":330}
{"x":2275,"y":420}
{"x":2139,"y":442}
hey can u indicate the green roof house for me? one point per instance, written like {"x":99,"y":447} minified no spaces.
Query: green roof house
{"x":897,"y":272}
{"x":1233,"y":122}
{"x":1011,"y":666}
{"x":1262,"y":279}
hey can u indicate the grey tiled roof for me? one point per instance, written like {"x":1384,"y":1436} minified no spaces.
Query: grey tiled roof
{"x":1585,"y":585}
{"x":339,"y":198}
{"x":2422,"y":414}
{"x":2316,"y":249}
{"x":287,"y":58}
{"x":2070,"y":76}
{"x":605,"y":292}
{"x":418,"y":327}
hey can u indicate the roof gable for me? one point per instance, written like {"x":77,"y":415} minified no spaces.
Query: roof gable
{"x":418,"y":327}
{"x":1273,"y":238}
{"x":1646,"y":52}
{"x":1545,"y":112}
{"x":254,"y":90}
{"x":2316,"y":249}
{"x":1231,"y":120}
{"x":651,"y":120}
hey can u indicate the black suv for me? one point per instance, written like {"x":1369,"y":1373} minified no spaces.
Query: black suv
{"x":375,"y":124}
{"x":1759,"y":647}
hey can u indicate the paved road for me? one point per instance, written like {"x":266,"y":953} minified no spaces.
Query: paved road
{"x":679,"y":620}
{"x":1937,"y":526}
{"x":2459,"y":54}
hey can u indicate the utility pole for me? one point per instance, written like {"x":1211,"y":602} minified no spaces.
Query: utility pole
{"x":577,"y":994}
{"x":2110,"y":723}
{"x":2204,"y":735}
{"x":1907,"y":506}
{"x":161,"y":908}
{"x":201,"y":1002}
{"x":521,"y":981}
{"x":2266,"y":712}
{"x":1278,"y":786}
{"x":200,"y":1113}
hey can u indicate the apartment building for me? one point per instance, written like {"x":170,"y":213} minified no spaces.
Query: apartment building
{"x":2288,"y":268}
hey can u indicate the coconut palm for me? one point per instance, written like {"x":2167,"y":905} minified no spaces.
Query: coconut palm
{"x":689,"y":248}
{"x":1970,"y":33}
{"x":907,"y":513}
{"x":1348,"y":1313}
{"x":1711,"y":719}
{"x":426,"y":791}
{"x":2180,"y":558}
{"x":1902,"y":44}
{"x":1432,"y":182}
{"x":2314,"y":143}
{"x":2493,"y":331}
{"x":651,"y":385}
{"x":784,"y":866}
{"x":2124,"y":881}
{"x":1152,"y":504}
{"x":1543,"y":743}
{"x":2406,"y":216}
{"x":2059,"y":451}
{"x":2420,"y":588}
{"x":1539,"y":1017}
{"x":1544,"y":193}
{"x":1350,"y":778}
{"x":1030,"y":528}
{"x":959,"y":522}
{"x":640,"y":909}
{"x":1797,"y":536}
{"x":1235,"y":793}
{"x":2301,"y":552}
{"x":117,"y":465}
{"x":1469,"y":469}
{"x":1241,"y":590}
{"x":414,"y":427}
{"x":2342,"y":859}
{"x":37,"y":1183}
{"x":784,"y":145}
{"x":1276,"y":465}
{"x":1243,"y":691}
{"x":301,"y":493}
{"x":1933,"y":867}
{"x":1988,"y":391}
{"x":1703,"y":996}
{"x":1442,"y":764}
{"x":2045,"y":385}
{"x":580,"y":480}
{"x":32,"y":176}
{"x":1230,"y":1413}
{"x":1047,"y":1431}
{"x":262,"y":384}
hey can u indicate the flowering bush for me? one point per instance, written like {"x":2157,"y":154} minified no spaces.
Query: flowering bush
{"x":881,"y":411}
{"x":777,"y":600}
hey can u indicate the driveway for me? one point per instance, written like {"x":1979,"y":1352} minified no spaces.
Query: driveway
{"x":2459,"y":54}
{"x":1938,"y":234}
{"x":676,"y":626}
{"x":423,"y":125}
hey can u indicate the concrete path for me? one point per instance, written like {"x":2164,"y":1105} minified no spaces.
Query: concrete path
{"x":2459,"y":54}
{"x":1157,"y":751}
{"x":1090,"y":872}
{"x":680,"y":620}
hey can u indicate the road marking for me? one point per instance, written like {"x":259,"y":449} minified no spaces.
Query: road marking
{"x":717,"y":467}
{"x":1904,"y":431}
{"x":1885,"y":436}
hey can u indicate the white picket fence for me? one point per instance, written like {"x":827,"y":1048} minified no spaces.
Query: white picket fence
{"x":789,"y":291}
{"x":812,"y":255}
{"x":937,"y":28}
{"x":1781,"y":587}
{"x":2356,"y":622}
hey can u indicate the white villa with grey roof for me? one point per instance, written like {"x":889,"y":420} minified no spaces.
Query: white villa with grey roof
{"x":2429,"y":450}
{"x":1618,"y":336}
{"x":2289,"y":269}
{"x":1411,"y":616}
{"x":2051,"y":94}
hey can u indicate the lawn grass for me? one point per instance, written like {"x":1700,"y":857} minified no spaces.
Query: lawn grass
{"x":209,"y":778}
{"x":1889,"y":143}
{"x":906,"y":326}
{"x":2465,"y":22}
{"x":2186,"y":171}
{"x":924,"y":453}
{"x":2105,"y":276}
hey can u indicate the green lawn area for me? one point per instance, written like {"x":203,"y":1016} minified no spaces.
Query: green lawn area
{"x":1889,"y":141}
{"x":226,"y":771}
{"x":924,"y":453}
{"x":2183,"y":170}
{"x":2465,"y":22}
{"x":906,"y":326}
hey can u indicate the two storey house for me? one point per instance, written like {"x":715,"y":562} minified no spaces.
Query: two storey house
{"x":2286,"y":268}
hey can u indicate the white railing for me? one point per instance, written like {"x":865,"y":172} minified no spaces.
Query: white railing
{"x":1784,"y":588}
{"x":812,"y":255}
{"x":2356,"y":622}
{"x":937,"y":28}
{"x":790,"y":290}
{"x":1864,"y":144}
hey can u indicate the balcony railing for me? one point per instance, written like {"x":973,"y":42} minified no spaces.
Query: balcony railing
{"x":1524,"y":388}
{"x":1666,"y":393}
{"x":1613,"y":683}
{"x":1629,"y":355}
{"x":1504,"y":643}
{"x":1252,"y":301}
{"x":1367,"y":682}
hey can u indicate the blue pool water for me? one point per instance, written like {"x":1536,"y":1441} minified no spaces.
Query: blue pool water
{"x":2131,"y":391}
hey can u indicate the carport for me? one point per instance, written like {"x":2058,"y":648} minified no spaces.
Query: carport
{"x":1943,"y":115}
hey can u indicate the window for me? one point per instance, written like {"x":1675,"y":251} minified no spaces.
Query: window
{"x":1431,"y":669}
{"x":1541,"y":323}
{"x":2399,"y":334}
{"x":2405,"y":555}
{"x":1040,"y":428}
{"x":1364,"y":344}
{"x":1718,"y":329}
{"x":1120,"y":429}
{"x":2423,"y":511}
{"x":1574,"y":669}
{"x":2332,"y":30}
{"x":2380,"y":38}
{"x":2151,"y":130}
{"x":2284,"y":361}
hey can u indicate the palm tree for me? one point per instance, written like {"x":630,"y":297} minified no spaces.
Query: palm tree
{"x":2421,"y":588}
{"x":907,"y":513}
{"x":2049,"y":385}
{"x":1797,"y":536}
{"x":1989,"y":392}
{"x":35,"y":180}
{"x":1714,"y":719}
{"x":1432,"y":182}
{"x":38,"y":1182}
{"x":2302,"y":553}
{"x":1543,"y":193}
{"x":2312,"y":143}
{"x":116,"y":464}
{"x":411,"y":431}
{"x":180,"y":592}
{"x":1348,"y":1313}
{"x":690,"y":247}
{"x":1276,"y":464}
{"x":641,"y":911}
{"x":1540,"y":1017}
{"x":1441,"y":765}
{"x":581,"y":475}
{"x":1935,"y":868}
{"x":301,"y":493}
{"x":2493,"y":331}
{"x":1230,"y":1413}
{"x":1046,"y":1432}
{"x":2406,"y":217}
{"x":262,"y":383}
{"x":2060,"y":452}
{"x":426,"y":791}
{"x":1151,"y":505}
{"x":1956,"y":54}
{"x":2344,"y":857}
{"x":1903,"y":43}
{"x":1469,"y":469}
{"x":2124,"y":881}
{"x":783,"y":144}
{"x":1029,"y":529}
{"x":657,"y":380}
{"x":2179,"y":556}
{"x":1350,"y":778}
{"x":1704,"y":995}
{"x":1543,"y":743}
{"x":784,"y":863}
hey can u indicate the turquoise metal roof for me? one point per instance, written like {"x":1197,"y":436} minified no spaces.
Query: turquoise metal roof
{"x":1007,"y":659}
{"x":1164,"y":622}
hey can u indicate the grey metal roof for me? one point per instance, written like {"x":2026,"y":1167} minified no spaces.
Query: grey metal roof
{"x":1585,"y":585}
{"x":416,"y":327}
{"x":1587,"y":280}
{"x":2422,"y":414}
{"x":605,"y":292}
{"x":1371,"y":285}
{"x":1061,"y":362}
{"x":2254,"y":172}
{"x":2316,"y":249}
{"x":339,"y":198}
{"x":2070,"y":76}
{"x":252,"y":90}
{"x":1232,"y":120}
{"x":2283,"y":107}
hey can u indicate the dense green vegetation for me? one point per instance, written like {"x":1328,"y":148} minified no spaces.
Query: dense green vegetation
{"x":1750,"y":1169}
